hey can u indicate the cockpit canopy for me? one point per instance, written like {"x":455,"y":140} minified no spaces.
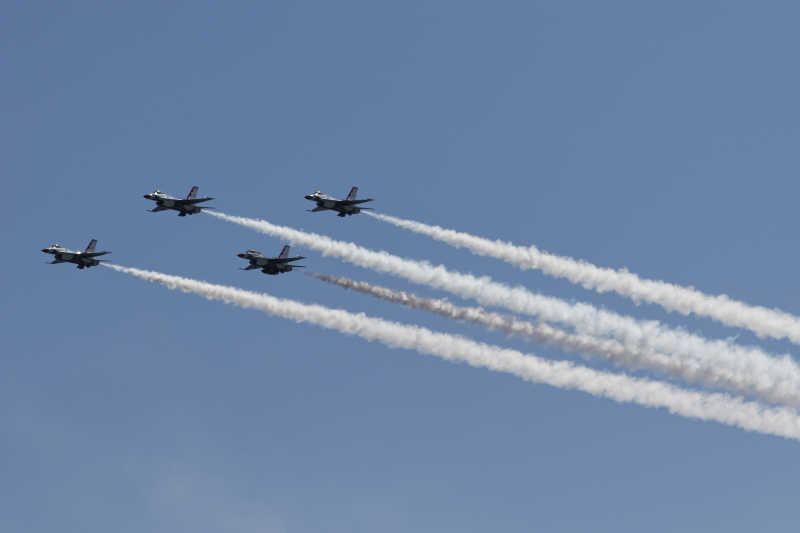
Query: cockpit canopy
{"x":56,"y":246}
{"x":252,"y":252}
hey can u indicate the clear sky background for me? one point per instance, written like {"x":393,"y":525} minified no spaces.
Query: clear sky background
{"x":657,"y":136}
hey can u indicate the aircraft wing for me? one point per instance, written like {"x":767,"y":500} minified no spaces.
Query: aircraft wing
{"x":286,"y":259}
{"x":158,"y":208}
{"x":354,"y":202}
{"x":345,"y":203}
{"x":251,"y":266}
{"x":319,"y":208}
{"x":192,"y":201}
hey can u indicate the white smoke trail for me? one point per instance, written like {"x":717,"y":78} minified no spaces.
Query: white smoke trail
{"x":614,"y":351}
{"x":704,"y":406}
{"x":781,"y":375}
{"x":761,"y":320}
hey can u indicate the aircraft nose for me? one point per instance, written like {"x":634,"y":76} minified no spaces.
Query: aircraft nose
{"x":147,"y":196}
{"x":44,"y":250}
{"x":308,"y":197}
{"x":242,"y":256}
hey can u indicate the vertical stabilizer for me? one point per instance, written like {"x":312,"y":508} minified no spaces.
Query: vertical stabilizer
{"x":193,"y":193}
{"x":353,"y":193}
{"x":90,"y":248}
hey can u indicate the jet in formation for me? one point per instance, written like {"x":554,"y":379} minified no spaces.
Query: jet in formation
{"x":84,"y":259}
{"x":348,"y":206}
{"x":184,"y":206}
{"x":270,"y":265}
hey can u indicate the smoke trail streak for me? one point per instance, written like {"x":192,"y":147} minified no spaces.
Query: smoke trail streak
{"x":778,"y":374}
{"x":763,"y":321}
{"x":704,"y":406}
{"x":614,"y":351}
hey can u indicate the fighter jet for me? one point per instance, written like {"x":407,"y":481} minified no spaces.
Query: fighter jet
{"x":185,"y":206}
{"x":344,"y":207}
{"x":270,"y":265}
{"x":84,"y":259}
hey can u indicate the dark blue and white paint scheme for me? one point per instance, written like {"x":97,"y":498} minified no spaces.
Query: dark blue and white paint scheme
{"x":184,"y":206}
{"x":270,"y":265}
{"x":345,"y":207}
{"x":84,"y":259}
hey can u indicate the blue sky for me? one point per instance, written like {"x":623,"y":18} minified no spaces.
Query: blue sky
{"x":660,"y":137}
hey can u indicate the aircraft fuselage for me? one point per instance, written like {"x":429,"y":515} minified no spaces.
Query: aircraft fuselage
{"x":269,"y":265}
{"x":68,"y":256}
{"x":184,"y":206}
{"x":326,"y":203}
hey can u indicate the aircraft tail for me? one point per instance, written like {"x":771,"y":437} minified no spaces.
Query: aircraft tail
{"x":193,"y":193}
{"x":353,"y":193}
{"x":284,"y":253}
{"x":90,"y":248}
